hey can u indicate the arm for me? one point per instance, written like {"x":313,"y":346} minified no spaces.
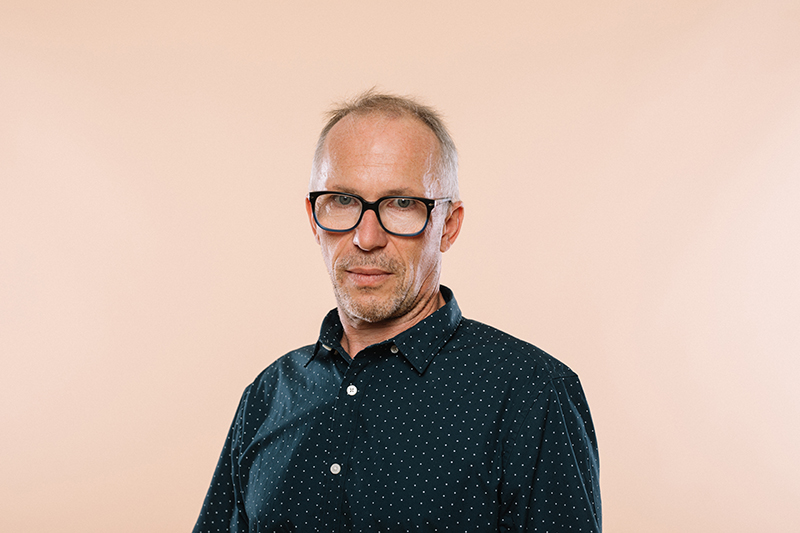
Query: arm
{"x":551,"y":467}
{"x":223,"y":508}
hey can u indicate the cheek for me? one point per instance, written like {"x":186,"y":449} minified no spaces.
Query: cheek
{"x":328,"y":247}
{"x":334,"y":246}
{"x":425,"y":258}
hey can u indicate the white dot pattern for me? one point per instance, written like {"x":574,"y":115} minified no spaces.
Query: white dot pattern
{"x":450,"y":426}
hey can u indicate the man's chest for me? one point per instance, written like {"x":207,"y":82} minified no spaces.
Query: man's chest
{"x":379,"y":447}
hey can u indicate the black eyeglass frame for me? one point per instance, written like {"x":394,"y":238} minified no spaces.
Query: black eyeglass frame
{"x":429,"y":203}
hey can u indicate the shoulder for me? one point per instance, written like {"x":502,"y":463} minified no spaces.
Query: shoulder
{"x":520,"y":380}
{"x":503,"y":349}
{"x":276,"y":389}
{"x":287,"y":368}
{"x":282,"y":376}
{"x":503,"y":362}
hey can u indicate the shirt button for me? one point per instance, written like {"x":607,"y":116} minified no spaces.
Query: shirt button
{"x":335,"y":468}
{"x":394,"y":349}
{"x":351,"y":390}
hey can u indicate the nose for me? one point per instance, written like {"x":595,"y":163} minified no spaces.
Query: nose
{"x":369,"y":234}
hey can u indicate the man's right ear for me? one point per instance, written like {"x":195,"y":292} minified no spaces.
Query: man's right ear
{"x":314,"y":228}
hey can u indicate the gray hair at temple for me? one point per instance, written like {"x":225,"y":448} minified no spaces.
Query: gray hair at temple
{"x":373,"y":102}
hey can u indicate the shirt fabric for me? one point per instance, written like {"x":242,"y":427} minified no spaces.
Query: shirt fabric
{"x":452,"y":425}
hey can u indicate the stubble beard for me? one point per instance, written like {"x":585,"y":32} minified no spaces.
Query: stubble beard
{"x":367,"y":303}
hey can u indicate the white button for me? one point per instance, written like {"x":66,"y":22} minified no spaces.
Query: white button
{"x":394,"y":349}
{"x":326,"y":347}
{"x":351,"y":390}
{"x":335,"y":468}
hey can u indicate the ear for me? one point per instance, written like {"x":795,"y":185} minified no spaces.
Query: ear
{"x":314,"y":228}
{"x":452,"y":226}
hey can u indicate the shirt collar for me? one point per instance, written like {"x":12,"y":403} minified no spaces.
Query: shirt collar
{"x":418,"y":344}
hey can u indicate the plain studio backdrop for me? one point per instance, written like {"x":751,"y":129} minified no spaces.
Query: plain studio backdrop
{"x":631,"y":173}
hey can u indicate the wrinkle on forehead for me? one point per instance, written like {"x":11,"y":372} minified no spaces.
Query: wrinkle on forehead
{"x":376,"y":146}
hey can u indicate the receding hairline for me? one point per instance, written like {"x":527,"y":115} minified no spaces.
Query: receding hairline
{"x":373,"y":103}
{"x":357,"y":120}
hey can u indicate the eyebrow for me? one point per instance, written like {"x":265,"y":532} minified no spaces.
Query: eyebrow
{"x":391,"y":192}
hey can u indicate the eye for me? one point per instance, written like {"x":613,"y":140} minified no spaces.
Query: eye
{"x":343,"y":200}
{"x":403,"y":203}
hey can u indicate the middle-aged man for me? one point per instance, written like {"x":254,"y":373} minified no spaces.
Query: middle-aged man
{"x":404,"y":415}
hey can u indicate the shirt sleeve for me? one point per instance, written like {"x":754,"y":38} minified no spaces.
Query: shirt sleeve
{"x":551,"y":466}
{"x":223,"y":509}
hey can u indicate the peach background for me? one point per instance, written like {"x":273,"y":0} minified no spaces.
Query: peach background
{"x":631,"y":172}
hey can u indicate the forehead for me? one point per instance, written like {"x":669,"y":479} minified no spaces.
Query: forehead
{"x":379,"y":154}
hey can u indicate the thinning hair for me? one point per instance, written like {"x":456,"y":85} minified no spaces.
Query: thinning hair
{"x":374,"y":102}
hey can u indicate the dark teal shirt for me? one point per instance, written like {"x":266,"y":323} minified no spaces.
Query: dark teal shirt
{"x":450,"y":426}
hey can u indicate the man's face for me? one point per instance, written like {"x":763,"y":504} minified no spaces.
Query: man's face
{"x":377,"y":276}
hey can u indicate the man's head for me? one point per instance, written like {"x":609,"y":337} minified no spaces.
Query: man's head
{"x":378,"y":146}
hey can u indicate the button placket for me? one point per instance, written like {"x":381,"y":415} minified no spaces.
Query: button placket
{"x":344,"y":420}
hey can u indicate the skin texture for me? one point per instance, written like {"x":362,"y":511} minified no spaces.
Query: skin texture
{"x":383,"y":284}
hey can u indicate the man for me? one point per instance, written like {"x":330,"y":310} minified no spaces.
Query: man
{"x":404,"y":416}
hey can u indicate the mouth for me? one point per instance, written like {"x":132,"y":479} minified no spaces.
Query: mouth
{"x":367,"y":276}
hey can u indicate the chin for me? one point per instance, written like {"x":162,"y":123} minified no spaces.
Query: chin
{"x":370,"y":307}
{"x":368,"y":311}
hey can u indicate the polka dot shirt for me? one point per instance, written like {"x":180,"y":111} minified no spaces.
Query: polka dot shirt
{"x":450,"y":426}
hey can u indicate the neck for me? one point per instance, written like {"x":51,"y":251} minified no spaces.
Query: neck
{"x":358,"y":334}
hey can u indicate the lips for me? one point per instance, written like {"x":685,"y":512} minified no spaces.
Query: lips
{"x":366,"y":271}
{"x":367,"y":276}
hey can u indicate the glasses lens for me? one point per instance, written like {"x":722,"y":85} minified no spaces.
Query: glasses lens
{"x":404,"y":216}
{"x":337,"y":212}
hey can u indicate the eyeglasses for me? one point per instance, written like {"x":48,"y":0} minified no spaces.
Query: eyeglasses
{"x":404,"y":216}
